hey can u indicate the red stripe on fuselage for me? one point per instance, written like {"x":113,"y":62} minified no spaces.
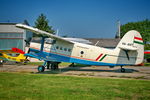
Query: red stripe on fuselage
{"x":99,"y":56}
{"x":138,"y":38}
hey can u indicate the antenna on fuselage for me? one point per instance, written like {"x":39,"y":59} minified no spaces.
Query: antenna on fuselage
{"x":96,"y":43}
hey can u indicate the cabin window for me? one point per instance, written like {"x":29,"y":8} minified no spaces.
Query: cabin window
{"x":57,"y":47}
{"x":60,"y":48}
{"x":69,"y":50}
{"x":65,"y":49}
{"x":82,"y":52}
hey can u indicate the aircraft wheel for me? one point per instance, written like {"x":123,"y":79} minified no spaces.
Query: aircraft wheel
{"x":41,"y":68}
{"x":122,"y":70}
{"x":54,"y":66}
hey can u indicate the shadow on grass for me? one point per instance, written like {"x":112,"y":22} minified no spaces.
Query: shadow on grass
{"x":66,"y":69}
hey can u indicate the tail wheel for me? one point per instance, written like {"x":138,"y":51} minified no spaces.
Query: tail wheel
{"x":122,"y":70}
{"x":41,"y":68}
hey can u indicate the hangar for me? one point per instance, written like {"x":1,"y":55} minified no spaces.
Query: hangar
{"x":11,"y":36}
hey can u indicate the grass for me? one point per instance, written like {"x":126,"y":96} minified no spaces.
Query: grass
{"x":147,"y":64}
{"x":17,"y":86}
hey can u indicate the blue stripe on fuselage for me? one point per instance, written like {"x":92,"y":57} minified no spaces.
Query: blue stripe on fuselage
{"x":48,"y":56}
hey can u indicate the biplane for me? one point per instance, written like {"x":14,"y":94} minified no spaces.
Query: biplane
{"x":13,"y":54}
{"x":129,"y":51}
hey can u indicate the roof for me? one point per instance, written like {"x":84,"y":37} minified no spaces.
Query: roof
{"x":8,"y":23}
{"x":13,"y":23}
{"x":108,"y":43}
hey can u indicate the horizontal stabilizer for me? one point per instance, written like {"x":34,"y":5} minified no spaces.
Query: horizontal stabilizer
{"x":128,"y":48}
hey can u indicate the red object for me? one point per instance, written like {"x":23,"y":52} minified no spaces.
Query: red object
{"x":99,"y":56}
{"x":18,"y":50}
{"x":147,"y":52}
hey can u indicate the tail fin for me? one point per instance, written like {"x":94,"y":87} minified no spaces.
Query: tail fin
{"x":132,"y":41}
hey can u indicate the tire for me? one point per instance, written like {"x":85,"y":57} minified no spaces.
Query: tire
{"x":41,"y":68}
{"x":122,"y":70}
{"x":54,"y":66}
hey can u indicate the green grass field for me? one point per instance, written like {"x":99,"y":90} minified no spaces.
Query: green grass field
{"x":25,"y":86}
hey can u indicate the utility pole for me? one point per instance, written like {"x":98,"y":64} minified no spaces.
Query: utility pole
{"x":118,"y":32}
{"x":57,"y":32}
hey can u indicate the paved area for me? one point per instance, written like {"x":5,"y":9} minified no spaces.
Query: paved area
{"x":136,"y":72}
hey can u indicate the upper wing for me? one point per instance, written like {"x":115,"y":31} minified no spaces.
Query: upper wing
{"x":37,"y":31}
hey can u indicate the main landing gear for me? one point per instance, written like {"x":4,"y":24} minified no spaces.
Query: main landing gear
{"x":122,"y":69}
{"x":41,"y":68}
{"x":48,"y":65}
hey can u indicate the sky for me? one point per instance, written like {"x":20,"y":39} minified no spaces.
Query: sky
{"x":77,"y":18}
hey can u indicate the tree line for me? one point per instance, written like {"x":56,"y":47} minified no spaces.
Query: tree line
{"x":141,"y":26}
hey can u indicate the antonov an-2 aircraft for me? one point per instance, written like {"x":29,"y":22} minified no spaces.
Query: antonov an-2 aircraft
{"x":129,"y":51}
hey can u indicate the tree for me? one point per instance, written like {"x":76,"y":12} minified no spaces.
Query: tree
{"x":42,"y":24}
{"x":142,"y":26}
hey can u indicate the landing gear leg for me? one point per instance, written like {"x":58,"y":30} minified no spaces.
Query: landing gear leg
{"x":48,"y":64}
{"x":122,"y":69}
{"x":72,"y":65}
{"x":54,"y":65}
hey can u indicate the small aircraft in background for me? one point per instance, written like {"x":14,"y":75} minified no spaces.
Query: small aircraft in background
{"x":129,"y":51}
{"x":147,"y":55}
{"x":7,"y":55}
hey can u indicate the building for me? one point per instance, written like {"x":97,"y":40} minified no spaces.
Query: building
{"x":11,"y":36}
{"x":101,"y":42}
{"x":106,"y":43}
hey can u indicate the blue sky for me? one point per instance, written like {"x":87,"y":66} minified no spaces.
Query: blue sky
{"x":77,"y":18}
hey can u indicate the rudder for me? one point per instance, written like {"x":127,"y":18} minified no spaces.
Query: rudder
{"x":132,"y":41}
